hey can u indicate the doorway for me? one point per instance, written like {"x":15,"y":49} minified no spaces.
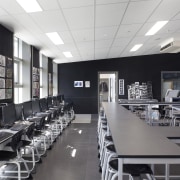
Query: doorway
{"x":107,"y":87}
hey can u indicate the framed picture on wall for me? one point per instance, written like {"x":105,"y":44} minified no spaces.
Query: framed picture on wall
{"x":121,"y":86}
{"x":78,"y":83}
{"x":87,"y":84}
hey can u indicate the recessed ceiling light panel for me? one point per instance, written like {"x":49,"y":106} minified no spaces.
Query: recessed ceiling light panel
{"x":30,"y":5}
{"x":68,"y":54}
{"x":136,"y":47}
{"x":156,"y":28}
{"x":55,"y":38}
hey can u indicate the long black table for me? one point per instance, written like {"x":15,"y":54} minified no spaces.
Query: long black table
{"x":136,"y":142}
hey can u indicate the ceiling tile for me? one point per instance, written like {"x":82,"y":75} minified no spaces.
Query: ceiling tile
{"x":139,"y":40}
{"x":48,"y":5}
{"x":26,"y":21}
{"x":83,"y":35}
{"x":67,"y":47}
{"x":115,"y":52}
{"x":87,"y":54}
{"x":105,"y":33}
{"x":11,"y":6}
{"x":101,"y":53}
{"x":109,"y":15}
{"x":66,"y":36}
{"x":121,"y":42}
{"x":78,"y":18}
{"x":110,"y":2}
{"x":166,"y":10}
{"x":75,"y":3}
{"x":85,"y":44}
{"x":103,"y":43}
{"x":50,"y":21}
{"x":128,"y":30}
{"x":144,"y":29}
{"x":176,"y":17}
{"x":3,"y":12}
{"x":170,"y":27}
{"x":139,"y":11}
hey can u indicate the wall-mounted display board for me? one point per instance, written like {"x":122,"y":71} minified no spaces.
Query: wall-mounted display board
{"x":140,"y":91}
{"x":35,"y":82}
{"x":6,"y":78}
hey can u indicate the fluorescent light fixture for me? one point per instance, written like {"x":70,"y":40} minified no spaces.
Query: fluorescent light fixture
{"x":68,"y":54}
{"x":73,"y":154}
{"x":55,"y":38}
{"x":156,"y":28}
{"x":30,"y":5}
{"x":136,"y":47}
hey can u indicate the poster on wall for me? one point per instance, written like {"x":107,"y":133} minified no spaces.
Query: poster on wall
{"x":6,"y":78}
{"x":87,"y":84}
{"x":121,"y":86}
{"x":78,"y":83}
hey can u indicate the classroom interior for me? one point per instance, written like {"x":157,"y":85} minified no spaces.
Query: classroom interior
{"x":54,"y":91}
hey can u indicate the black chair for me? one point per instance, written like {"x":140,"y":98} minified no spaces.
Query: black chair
{"x":12,"y":164}
{"x":30,"y":151}
{"x":19,"y":111}
{"x":37,"y":111}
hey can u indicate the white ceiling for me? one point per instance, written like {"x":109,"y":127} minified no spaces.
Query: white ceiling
{"x":93,"y":29}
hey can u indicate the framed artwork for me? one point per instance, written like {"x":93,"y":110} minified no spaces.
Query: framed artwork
{"x":6,"y":78}
{"x":121,"y":86}
{"x":87,"y":84}
{"x":78,"y":83}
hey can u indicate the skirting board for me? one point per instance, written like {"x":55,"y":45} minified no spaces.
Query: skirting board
{"x":82,"y":118}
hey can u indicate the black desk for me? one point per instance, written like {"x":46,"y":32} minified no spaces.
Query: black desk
{"x":12,"y":132}
{"x":136,"y":142}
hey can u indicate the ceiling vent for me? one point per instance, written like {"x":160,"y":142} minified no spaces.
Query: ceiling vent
{"x":172,"y":47}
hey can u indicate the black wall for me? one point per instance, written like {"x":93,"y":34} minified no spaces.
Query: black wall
{"x":131,"y":69}
{"x":6,"y":42}
{"x":6,"y":49}
{"x":35,"y":57}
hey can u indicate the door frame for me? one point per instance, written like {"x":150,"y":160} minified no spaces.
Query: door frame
{"x":116,"y":85}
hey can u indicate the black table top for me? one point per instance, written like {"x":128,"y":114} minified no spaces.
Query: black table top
{"x":134,"y":138}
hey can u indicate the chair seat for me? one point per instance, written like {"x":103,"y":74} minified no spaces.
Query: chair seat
{"x":133,"y":169}
{"x":108,"y":138}
{"x":111,"y":148}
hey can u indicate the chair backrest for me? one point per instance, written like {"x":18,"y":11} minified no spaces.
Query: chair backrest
{"x":19,"y":111}
{"x":55,"y":102}
{"x":36,"y":106}
{"x":40,"y":123}
{"x":30,"y":131}
{"x":27,"y":109}
{"x":8,"y":114}
{"x":16,"y":142}
{"x":49,"y":102}
{"x":43,"y":104}
{"x":60,"y":97}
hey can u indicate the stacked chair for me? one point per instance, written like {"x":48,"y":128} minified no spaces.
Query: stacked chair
{"x":43,"y":121}
{"x":109,"y":159}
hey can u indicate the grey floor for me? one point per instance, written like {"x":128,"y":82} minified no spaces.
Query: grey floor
{"x":59,"y":164}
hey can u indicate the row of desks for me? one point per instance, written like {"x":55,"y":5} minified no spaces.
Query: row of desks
{"x":136,"y":142}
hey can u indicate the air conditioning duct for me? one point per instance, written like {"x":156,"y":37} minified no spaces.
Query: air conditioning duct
{"x":171,"y":47}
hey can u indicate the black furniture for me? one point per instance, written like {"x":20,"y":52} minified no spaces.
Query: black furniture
{"x":12,"y":164}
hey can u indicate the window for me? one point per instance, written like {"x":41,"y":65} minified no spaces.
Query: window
{"x":16,"y":47}
{"x":17,"y":71}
